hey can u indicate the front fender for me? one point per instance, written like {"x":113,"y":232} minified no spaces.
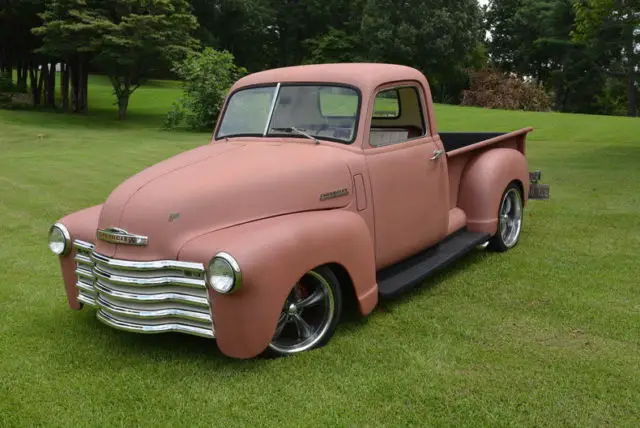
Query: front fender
{"x":82,"y":225}
{"x":483,"y":182}
{"x":273,"y":255}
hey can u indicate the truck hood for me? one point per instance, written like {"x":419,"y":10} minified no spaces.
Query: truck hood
{"x":218,"y":186}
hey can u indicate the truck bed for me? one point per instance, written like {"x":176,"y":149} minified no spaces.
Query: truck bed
{"x":458,"y":140}
{"x":462,"y":142}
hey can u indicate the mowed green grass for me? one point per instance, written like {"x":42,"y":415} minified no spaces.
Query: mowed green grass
{"x":545,"y":335}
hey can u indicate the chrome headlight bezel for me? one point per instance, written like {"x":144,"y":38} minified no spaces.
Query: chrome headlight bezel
{"x":225,"y":261}
{"x":66,"y":236}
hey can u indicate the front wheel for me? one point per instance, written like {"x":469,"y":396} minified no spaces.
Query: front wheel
{"x":310,"y":314}
{"x":510,"y":215}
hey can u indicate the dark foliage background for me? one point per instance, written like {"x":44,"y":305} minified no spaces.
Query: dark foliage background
{"x":584,"y":54}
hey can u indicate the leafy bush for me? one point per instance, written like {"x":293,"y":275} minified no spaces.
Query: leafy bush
{"x":493,"y":89}
{"x":206,"y":78}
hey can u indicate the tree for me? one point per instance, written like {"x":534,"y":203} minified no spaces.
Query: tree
{"x":134,"y":37}
{"x":301,"y":25}
{"x":16,"y":19}
{"x":272,"y":33}
{"x":245,"y":28}
{"x":334,"y":46}
{"x":612,"y":29}
{"x":206,"y":78}
{"x":126,"y":39}
{"x":505,"y":44}
{"x":339,"y":39}
{"x":66,"y":30}
{"x":532,"y":38}
{"x":439,"y":37}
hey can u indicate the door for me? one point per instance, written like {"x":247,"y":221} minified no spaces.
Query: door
{"x":408,"y":175}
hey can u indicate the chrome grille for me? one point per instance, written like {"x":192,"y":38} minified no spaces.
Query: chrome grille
{"x":145,"y":297}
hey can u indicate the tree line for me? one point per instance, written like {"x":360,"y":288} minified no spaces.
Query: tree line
{"x":583,"y":54}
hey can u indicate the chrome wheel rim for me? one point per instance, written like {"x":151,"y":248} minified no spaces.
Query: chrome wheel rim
{"x":306,"y":315}
{"x":510,"y":218}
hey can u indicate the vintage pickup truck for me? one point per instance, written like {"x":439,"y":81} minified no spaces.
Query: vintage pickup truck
{"x":322,"y":185}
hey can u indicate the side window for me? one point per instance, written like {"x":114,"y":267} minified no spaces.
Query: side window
{"x":397,"y":116}
{"x":387,"y":105}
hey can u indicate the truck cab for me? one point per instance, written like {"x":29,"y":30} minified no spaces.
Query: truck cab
{"x":321,"y":185}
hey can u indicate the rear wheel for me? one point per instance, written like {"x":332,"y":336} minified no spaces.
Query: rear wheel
{"x":310,"y":314}
{"x":510,"y":214}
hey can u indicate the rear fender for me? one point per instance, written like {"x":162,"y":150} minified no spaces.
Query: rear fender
{"x":483,"y":182}
{"x":273,"y":255}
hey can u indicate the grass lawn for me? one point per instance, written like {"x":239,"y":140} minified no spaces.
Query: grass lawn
{"x":545,"y":335}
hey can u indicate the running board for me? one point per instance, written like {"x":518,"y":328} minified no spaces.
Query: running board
{"x":406,"y":274}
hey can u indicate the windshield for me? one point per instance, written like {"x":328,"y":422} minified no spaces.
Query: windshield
{"x":323,"y":112}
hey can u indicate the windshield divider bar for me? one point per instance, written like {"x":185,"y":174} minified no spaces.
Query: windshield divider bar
{"x":271,"y":110}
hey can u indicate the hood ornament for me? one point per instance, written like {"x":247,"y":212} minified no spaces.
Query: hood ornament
{"x":115,"y":235}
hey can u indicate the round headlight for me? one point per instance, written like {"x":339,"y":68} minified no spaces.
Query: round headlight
{"x":223,"y":274}
{"x":59,"y":240}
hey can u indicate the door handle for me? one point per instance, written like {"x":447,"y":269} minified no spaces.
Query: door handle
{"x":436,"y":154}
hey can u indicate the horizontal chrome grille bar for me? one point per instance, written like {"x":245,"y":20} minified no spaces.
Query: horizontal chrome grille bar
{"x":125,"y":325}
{"x":145,"y":297}
{"x":91,"y":301}
{"x":83,"y":246}
{"x":83,"y":259}
{"x":151,"y":298}
{"x":137,"y":282}
{"x":149,"y":266}
{"x":86,"y":288}
{"x":84,"y":273}
{"x":153,"y":314}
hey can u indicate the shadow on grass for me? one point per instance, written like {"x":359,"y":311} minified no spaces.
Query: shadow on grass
{"x":352,"y":321}
{"x":175,"y":347}
{"x":183,"y":348}
{"x":98,"y":118}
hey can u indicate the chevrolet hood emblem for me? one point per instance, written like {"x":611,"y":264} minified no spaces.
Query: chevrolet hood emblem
{"x":115,"y":235}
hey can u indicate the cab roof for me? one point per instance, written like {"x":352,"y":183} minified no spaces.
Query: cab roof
{"x":366,"y":76}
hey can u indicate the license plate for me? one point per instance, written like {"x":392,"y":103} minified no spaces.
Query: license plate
{"x":539,"y":191}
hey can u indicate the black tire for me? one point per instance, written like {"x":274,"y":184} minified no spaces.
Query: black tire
{"x":510,"y":220}
{"x":321,"y":314}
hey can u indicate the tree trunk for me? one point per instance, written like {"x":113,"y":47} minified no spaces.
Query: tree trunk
{"x":64,"y":86}
{"x":3,"y":60}
{"x":73,"y":74}
{"x":42,"y":83}
{"x":86,"y":88}
{"x":123,"y":105}
{"x":632,"y":107}
{"x":51,"y":86}
{"x":78,"y":73}
{"x":25,"y":76}
{"x":33,"y":74}
{"x":83,"y":80}
{"x":21,"y":76}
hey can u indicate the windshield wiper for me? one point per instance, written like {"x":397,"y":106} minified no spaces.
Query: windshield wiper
{"x":295,"y":130}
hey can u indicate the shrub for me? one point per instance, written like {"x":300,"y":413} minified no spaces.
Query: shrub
{"x":493,"y":89}
{"x":206,"y":78}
